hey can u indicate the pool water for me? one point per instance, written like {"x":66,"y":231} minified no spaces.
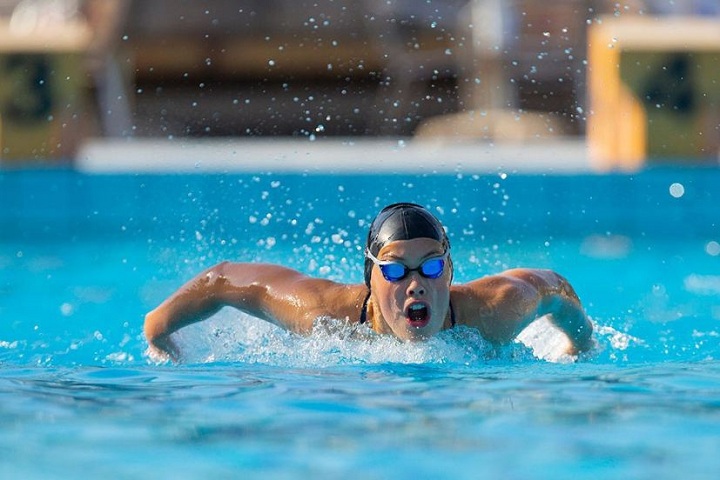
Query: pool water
{"x":83,"y":257}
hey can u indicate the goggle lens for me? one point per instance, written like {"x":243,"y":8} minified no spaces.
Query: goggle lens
{"x":432,"y":268}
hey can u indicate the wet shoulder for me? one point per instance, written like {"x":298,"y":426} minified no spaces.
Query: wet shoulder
{"x":471,"y":303}
{"x":338,"y":300}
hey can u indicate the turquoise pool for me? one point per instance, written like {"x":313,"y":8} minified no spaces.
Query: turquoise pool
{"x":83,"y":257}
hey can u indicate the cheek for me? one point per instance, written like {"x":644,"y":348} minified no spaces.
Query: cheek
{"x":394,"y":297}
{"x":387,"y":296}
{"x":441,"y":293}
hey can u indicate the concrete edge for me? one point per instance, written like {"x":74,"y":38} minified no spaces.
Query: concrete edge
{"x":342,"y":156}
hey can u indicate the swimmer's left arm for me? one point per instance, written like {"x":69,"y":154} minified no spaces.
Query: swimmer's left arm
{"x":563,"y":308}
{"x":510,"y":301}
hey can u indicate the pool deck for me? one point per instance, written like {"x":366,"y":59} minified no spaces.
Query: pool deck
{"x":331,"y":155}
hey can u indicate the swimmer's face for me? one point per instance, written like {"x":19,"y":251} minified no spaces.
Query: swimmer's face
{"x":414,"y":307}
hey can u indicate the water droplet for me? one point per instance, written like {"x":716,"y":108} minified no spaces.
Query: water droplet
{"x":713,"y":248}
{"x":66,"y":309}
{"x":677,"y":190}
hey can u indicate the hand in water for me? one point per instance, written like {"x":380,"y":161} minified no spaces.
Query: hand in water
{"x":587,"y":346}
{"x":163,"y":350}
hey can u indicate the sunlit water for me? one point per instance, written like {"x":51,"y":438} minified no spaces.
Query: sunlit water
{"x":83,"y":258}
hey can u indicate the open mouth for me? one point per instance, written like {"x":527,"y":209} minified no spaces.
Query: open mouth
{"x":418,"y":314}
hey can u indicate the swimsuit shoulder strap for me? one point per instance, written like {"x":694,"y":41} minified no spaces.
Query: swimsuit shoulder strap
{"x":452,"y":316}
{"x":363,"y":310}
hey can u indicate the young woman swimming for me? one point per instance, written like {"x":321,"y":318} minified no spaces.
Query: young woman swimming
{"x":408,"y":292}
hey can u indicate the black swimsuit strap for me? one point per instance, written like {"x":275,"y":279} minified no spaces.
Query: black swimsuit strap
{"x":363,"y":312}
{"x":452,"y":316}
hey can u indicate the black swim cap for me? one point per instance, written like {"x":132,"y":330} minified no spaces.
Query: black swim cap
{"x":402,"y":221}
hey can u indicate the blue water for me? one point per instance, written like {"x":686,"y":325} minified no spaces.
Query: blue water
{"x":83,"y":257}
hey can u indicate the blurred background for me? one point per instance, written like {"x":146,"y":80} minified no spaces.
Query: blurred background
{"x":458,"y":70}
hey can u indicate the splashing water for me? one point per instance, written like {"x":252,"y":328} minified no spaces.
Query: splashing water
{"x":235,"y":337}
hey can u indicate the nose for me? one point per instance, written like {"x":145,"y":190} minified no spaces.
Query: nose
{"x":414,"y":287}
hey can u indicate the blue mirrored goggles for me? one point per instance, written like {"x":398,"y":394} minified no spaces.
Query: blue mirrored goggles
{"x":396,"y":271}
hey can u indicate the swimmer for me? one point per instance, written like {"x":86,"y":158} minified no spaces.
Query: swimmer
{"x":407,"y":293}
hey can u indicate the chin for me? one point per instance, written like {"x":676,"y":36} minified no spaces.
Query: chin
{"x":414,"y":334}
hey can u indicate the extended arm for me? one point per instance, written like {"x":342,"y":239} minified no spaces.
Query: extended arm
{"x":501,"y":306}
{"x":273,"y":293}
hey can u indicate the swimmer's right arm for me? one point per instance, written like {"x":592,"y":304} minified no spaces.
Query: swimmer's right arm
{"x":273,"y":293}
